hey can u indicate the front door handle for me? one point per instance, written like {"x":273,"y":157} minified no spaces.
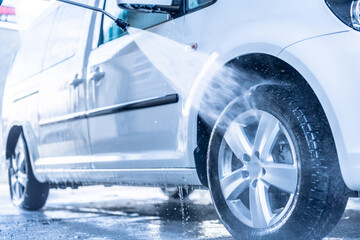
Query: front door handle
{"x":76,"y":81}
{"x":97,"y":75}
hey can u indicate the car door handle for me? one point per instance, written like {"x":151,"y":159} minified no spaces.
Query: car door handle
{"x":76,"y":81}
{"x":97,"y":75}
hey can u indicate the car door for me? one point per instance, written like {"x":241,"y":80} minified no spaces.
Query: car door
{"x":63,"y":130}
{"x":133,"y":118}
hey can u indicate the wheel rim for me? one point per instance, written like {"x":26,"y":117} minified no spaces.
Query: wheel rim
{"x":258,"y":170}
{"x":170,"y":191}
{"x":18,"y":173}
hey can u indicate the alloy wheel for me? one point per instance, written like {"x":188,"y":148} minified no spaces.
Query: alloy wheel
{"x":18,"y":173}
{"x":258,"y":170}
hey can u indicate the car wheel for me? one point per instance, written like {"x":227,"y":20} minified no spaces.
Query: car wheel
{"x":272,"y":167}
{"x":25,"y":190}
{"x":176,"y":192}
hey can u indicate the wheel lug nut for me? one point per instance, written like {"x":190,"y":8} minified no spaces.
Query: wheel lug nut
{"x":246,"y":158}
{"x":257,"y":154}
{"x":263,"y":171}
{"x":245,"y":174}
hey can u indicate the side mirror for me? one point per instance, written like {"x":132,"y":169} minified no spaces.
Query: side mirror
{"x":151,"y":6}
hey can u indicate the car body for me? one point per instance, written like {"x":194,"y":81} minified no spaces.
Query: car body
{"x":130,"y":126}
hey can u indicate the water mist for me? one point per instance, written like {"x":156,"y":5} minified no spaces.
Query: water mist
{"x":206,"y":85}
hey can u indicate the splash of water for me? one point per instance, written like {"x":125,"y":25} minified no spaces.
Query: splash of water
{"x":207,"y":85}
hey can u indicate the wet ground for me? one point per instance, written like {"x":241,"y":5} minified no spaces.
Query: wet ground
{"x":129,"y":213}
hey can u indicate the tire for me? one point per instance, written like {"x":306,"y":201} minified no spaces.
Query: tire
{"x":177,"y":192}
{"x":272,"y":167}
{"x":26,"y":191}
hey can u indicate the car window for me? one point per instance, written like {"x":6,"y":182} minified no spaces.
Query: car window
{"x":29,"y":58}
{"x":192,"y":4}
{"x":110,"y":31}
{"x":66,"y":34}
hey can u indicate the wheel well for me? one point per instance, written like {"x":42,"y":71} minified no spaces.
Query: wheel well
{"x":267,"y":67}
{"x":12,"y":140}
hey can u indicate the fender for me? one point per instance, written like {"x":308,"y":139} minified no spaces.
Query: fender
{"x":330,"y":70}
{"x":306,"y":73}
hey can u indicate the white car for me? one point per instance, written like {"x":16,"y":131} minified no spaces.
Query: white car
{"x":85,"y":105}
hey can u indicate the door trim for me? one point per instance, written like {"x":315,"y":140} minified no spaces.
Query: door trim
{"x":123,"y":107}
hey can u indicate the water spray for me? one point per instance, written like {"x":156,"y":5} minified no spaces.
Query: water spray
{"x":200,"y":84}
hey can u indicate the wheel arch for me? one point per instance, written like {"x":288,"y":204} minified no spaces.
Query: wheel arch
{"x":269,"y":67}
{"x":12,"y":138}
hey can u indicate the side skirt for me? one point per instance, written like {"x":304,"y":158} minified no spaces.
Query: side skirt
{"x":157,"y":176}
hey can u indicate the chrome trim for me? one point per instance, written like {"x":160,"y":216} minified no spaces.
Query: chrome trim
{"x":64,"y":118}
{"x":135,"y":105}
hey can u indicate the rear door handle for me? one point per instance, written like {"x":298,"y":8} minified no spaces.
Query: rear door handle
{"x":97,"y":75}
{"x":76,"y":81}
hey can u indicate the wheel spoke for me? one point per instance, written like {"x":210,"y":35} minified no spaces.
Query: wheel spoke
{"x":14,"y":163}
{"x":239,"y":207}
{"x":234,"y":184}
{"x":14,"y":190}
{"x":282,"y":176}
{"x":21,"y":162}
{"x":11,"y":171}
{"x":17,"y":187}
{"x":21,"y":190}
{"x":22,"y":178}
{"x":237,"y":140}
{"x":266,"y":134}
{"x":13,"y":181}
{"x":260,"y":209}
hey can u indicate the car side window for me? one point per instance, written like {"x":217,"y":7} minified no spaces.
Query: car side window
{"x":29,"y":58}
{"x":193,"y":4}
{"x":65,"y":35}
{"x":110,"y":31}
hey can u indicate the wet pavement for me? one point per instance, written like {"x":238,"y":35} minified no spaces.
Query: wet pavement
{"x":129,"y":213}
